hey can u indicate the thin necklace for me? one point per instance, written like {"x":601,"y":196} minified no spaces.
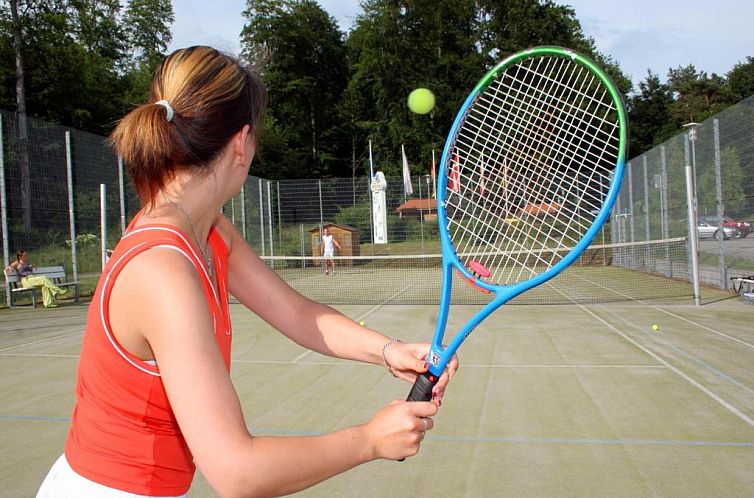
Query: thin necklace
{"x":202,"y":247}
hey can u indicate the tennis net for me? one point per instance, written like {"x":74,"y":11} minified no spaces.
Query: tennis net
{"x":604,"y":273}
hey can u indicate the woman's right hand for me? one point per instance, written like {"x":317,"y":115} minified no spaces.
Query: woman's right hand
{"x":397,"y":431}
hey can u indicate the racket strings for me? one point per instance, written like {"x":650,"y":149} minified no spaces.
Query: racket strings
{"x":532,"y":164}
{"x":541,"y":194}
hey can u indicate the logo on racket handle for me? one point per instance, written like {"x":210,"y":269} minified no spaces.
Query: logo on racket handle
{"x":433,"y":358}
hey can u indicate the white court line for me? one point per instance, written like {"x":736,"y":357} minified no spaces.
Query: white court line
{"x":363,"y":315}
{"x":28,"y":355}
{"x":658,"y":358}
{"x":355,"y":363}
{"x":688,"y":378}
{"x":668,"y":312}
{"x":38,"y":341}
{"x":465,"y":366}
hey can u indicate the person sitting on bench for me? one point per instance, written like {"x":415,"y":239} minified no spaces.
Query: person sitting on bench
{"x":25,"y":271}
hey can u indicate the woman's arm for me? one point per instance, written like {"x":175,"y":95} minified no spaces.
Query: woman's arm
{"x":170,"y":313}
{"x":313,"y":325}
{"x":310,"y":324}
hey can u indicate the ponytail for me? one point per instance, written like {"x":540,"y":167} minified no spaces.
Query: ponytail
{"x":146,"y":141}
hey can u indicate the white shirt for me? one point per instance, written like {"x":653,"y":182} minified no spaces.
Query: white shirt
{"x":327,"y":240}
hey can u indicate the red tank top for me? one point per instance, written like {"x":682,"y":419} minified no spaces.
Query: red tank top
{"x":123,"y":432}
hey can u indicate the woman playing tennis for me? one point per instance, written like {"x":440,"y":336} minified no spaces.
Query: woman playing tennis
{"x":154,"y":395}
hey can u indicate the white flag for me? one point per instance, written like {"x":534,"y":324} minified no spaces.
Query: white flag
{"x":407,"y":188}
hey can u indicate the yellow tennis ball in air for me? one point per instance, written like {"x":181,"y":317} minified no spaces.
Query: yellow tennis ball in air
{"x":655,"y":327}
{"x":421,"y":101}
{"x":362,"y":323}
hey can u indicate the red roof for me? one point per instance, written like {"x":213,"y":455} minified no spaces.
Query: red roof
{"x":418,"y":205}
{"x":543,"y":208}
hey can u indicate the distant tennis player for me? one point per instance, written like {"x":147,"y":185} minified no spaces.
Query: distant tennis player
{"x":327,"y":250}
{"x":154,"y":395}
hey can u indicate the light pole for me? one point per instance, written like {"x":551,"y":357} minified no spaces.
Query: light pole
{"x":692,"y":202}
{"x":692,"y":138}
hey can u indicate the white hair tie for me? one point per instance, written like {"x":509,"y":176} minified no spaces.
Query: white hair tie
{"x":168,"y":107}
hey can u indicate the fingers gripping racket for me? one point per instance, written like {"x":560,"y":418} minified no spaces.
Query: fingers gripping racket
{"x":529,"y":172}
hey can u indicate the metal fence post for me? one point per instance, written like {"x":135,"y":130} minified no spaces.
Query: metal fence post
{"x":664,"y":222}
{"x":269,"y":217}
{"x":321,"y":216}
{"x":261,"y":216}
{"x":243,"y":211}
{"x":630,"y":210}
{"x":71,"y":205}
{"x":719,"y":200}
{"x":4,"y":211}
{"x":280,"y":220}
{"x":122,"y":191}
{"x":103,"y":222}
{"x":647,"y":235}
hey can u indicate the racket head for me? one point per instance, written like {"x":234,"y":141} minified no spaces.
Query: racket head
{"x":530,"y":170}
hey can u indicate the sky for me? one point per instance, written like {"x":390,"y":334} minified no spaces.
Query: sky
{"x":638,"y":34}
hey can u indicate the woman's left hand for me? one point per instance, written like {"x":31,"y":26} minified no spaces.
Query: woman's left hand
{"x":407,"y":360}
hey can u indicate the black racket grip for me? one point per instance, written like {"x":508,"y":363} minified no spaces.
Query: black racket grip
{"x":422,"y":389}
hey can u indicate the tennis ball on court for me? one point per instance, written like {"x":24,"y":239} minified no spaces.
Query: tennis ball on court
{"x":421,"y":101}
{"x":362,"y":323}
{"x":655,"y":327}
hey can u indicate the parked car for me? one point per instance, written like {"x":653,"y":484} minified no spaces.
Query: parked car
{"x":743,"y":227}
{"x":708,"y":228}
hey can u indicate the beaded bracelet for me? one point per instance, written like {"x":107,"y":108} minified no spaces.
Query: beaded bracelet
{"x":384,"y":359}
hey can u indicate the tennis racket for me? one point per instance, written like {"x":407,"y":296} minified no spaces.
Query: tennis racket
{"x":529,"y":172}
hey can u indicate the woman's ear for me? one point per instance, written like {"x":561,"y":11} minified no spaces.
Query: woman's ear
{"x":241,"y":147}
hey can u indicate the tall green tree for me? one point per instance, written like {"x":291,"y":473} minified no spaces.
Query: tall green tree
{"x":445,"y":45}
{"x":305,"y":72}
{"x":741,"y":79}
{"x":698,"y":96}
{"x":147,"y":27}
{"x":23,"y":132}
{"x":648,"y":114}
{"x":395,"y":48}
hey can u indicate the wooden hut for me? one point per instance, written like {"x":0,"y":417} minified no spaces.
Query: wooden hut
{"x":347,"y":237}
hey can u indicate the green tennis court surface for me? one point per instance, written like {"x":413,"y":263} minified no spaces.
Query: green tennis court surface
{"x":571,"y":400}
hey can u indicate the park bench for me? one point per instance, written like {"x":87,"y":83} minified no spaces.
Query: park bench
{"x":54,"y":273}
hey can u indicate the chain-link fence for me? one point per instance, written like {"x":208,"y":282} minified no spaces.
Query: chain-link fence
{"x":63,"y":188}
{"x":654,"y":198}
{"x":283,"y":218}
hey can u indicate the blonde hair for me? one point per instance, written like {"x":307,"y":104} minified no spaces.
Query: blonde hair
{"x":212,"y":95}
